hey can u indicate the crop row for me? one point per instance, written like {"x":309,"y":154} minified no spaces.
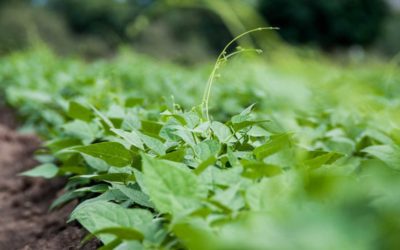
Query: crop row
{"x":298,"y":153}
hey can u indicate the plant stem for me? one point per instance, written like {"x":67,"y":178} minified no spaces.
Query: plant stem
{"x":222,"y":57}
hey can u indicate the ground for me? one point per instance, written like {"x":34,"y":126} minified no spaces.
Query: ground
{"x":25,"y":219}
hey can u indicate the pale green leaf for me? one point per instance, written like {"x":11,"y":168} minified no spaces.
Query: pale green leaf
{"x":171,"y":186}
{"x":389,"y":154}
{"x":47,"y":170}
{"x":132,"y":137}
{"x":111,"y":152}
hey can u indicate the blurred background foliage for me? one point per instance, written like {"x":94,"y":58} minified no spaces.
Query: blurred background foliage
{"x":193,"y":31}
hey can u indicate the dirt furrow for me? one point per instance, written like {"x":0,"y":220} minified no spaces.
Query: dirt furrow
{"x":25,"y":221}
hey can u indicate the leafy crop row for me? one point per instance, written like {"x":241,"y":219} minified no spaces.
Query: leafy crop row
{"x":299,"y":153}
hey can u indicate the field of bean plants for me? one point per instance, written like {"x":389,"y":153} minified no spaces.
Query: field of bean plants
{"x":287,"y":149}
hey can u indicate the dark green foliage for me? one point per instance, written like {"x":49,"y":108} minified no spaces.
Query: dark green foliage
{"x":22,"y":25}
{"x":326,"y":23}
{"x":108,"y":19}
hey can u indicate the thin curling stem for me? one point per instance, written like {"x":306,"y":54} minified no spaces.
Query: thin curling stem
{"x":222,"y":57}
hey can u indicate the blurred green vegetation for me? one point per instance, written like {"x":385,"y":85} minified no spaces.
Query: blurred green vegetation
{"x":192,"y":31}
{"x":328,"y":24}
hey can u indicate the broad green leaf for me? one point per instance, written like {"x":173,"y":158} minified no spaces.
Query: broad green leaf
{"x":233,"y":160}
{"x":221,"y":131}
{"x":192,"y":119}
{"x":154,"y":144}
{"x":78,"y":111}
{"x":64,"y":198}
{"x":110,"y":177}
{"x":110,"y":195}
{"x":246,"y":124}
{"x":66,"y":170}
{"x":204,"y":165}
{"x":133,"y":101}
{"x":243,"y":116}
{"x":115,"y":111}
{"x":140,"y":180}
{"x":271,"y":193}
{"x":122,"y":233}
{"x":130,"y":122}
{"x":177,"y":155}
{"x":99,"y":188}
{"x":185,"y":135}
{"x":389,"y":154}
{"x":171,"y":186}
{"x":259,"y":169}
{"x":100,"y":215}
{"x":47,"y":170}
{"x":59,"y":144}
{"x":207,"y":149}
{"x":196,"y":234}
{"x":257,"y":131}
{"x":151,"y":127}
{"x":106,"y":121}
{"x":96,"y":163}
{"x":132,"y":137}
{"x":86,"y":132}
{"x":275,"y":144}
{"x":230,"y":198}
{"x":320,"y":158}
{"x":111,"y":152}
{"x":135,"y":195}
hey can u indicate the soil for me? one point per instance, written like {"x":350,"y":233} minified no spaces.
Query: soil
{"x":25,"y":219}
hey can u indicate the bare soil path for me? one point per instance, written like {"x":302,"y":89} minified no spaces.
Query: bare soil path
{"x":25,"y":222}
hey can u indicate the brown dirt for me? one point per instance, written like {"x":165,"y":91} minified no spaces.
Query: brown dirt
{"x":25,"y":222}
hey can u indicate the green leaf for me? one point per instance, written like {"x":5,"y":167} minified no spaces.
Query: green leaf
{"x":185,"y":135}
{"x":66,"y":170}
{"x":204,"y":165}
{"x":64,"y":198}
{"x":132,"y":137}
{"x":221,"y":131}
{"x":197,"y":234}
{"x":136,"y":196}
{"x":246,"y":124}
{"x":133,"y":101}
{"x":111,"y":152}
{"x":109,"y":195}
{"x":389,"y":154}
{"x":243,"y":116}
{"x":171,"y":186}
{"x":154,"y":144}
{"x":320,"y":158}
{"x":259,"y":169}
{"x":275,"y":144}
{"x":47,"y":170}
{"x":122,"y":233}
{"x":86,"y":132}
{"x":100,"y":215}
{"x":151,"y":127}
{"x":177,"y":155}
{"x":230,"y":198}
{"x":59,"y":144}
{"x":78,"y":111}
{"x":111,"y":177}
{"x":207,"y":149}
{"x":96,"y":163}
{"x":107,"y":122}
{"x":99,"y":188}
